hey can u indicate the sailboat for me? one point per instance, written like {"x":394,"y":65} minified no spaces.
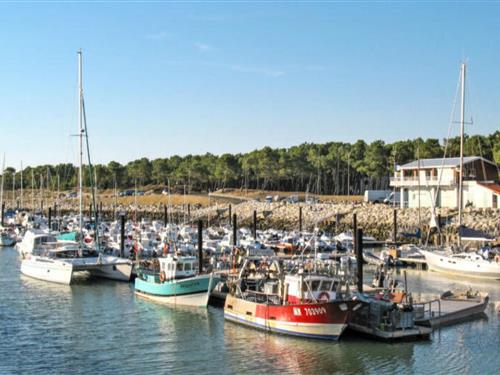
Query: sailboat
{"x":59,"y":262}
{"x":462,"y":263}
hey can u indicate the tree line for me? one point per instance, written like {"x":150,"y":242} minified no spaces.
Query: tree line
{"x":328,"y":168}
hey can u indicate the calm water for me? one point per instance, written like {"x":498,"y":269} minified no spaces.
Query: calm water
{"x":100,"y":327}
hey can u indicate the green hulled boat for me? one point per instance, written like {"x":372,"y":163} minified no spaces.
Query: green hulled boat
{"x":176,"y":282}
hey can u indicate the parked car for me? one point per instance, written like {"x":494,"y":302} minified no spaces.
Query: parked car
{"x":376,"y":196}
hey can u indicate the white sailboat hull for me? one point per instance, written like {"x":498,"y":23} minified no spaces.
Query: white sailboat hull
{"x":119,"y":272}
{"x":62,"y":271}
{"x":444,"y":263}
{"x":47,"y":270}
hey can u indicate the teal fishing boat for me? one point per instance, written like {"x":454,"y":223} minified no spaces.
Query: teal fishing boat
{"x":175,"y":280}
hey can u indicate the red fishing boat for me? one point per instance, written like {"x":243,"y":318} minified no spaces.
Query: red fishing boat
{"x":301,"y":304}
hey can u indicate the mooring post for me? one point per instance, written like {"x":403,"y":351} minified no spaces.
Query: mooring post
{"x":230,"y":214}
{"x":189,"y":211}
{"x":439,"y":229}
{"x":200,"y":246}
{"x":359,"y":258}
{"x":122,"y":234}
{"x":395,"y":226}
{"x":254,"y":224}
{"x":50,"y":218}
{"x":235,"y":230}
{"x":3,"y":211}
{"x":354,"y":229}
{"x":165,"y":214}
{"x":300,"y":219}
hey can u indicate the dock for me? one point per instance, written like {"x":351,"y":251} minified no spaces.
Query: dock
{"x":408,"y":334}
{"x":447,"y":311}
{"x":417,"y":263}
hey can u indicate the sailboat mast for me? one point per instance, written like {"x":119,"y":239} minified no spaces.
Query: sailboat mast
{"x":80,"y":135}
{"x":22,"y":200}
{"x":462,"y":125}
{"x":3,"y":178}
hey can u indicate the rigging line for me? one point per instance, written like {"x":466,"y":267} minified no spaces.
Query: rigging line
{"x":447,"y":140}
{"x":91,"y":174}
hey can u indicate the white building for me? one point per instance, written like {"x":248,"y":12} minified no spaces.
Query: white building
{"x":437,"y":179}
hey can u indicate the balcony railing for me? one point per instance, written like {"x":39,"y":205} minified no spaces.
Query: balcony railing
{"x":424,"y":181}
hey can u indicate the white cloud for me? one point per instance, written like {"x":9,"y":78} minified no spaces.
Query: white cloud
{"x":203,"y":47}
{"x":262,"y":71}
{"x":158,"y":36}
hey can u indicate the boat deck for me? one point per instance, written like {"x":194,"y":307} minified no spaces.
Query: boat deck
{"x":442,"y":312}
{"x":409,"y":334}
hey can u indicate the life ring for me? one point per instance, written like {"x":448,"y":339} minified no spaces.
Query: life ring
{"x":324,"y":297}
{"x":162,"y":276}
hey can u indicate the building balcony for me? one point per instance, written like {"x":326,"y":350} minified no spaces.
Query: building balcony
{"x":424,"y":181}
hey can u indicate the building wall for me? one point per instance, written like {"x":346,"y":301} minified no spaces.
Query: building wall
{"x":448,"y":197}
{"x":479,"y":196}
{"x":425,"y":197}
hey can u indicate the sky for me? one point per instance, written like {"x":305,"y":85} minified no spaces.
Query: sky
{"x":166,"y":78}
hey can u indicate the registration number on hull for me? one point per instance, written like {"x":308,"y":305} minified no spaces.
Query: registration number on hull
{"x":309,"y":311}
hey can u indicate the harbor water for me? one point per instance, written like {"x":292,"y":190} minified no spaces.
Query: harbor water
{"x":102,"y":328}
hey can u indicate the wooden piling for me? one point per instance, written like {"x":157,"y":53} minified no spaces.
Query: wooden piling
{"x":50,"y":218}
{"x":354,"y":229}
{"x":300,"y":219}
{"x":359,"y":258}
{"x":235,"y":230}
{"x":254,"y":224}
{"x":200,"y":246}
{"x":395,"y":225}
{"x":122,"y":234}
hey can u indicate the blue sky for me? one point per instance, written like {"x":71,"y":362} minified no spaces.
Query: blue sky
{"x":177,"y":78}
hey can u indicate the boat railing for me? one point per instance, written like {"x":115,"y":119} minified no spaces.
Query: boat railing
{"x":427,"y":307}
{"x":259,"y":297}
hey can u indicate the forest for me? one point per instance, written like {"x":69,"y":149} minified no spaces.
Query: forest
{"x":329,"y":168}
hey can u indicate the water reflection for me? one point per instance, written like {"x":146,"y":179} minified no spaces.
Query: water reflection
{"x":101,"y":327}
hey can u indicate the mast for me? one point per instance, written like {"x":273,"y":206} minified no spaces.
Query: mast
{"x":13,"y":189}
{"x":418,"y":179}
{"x":22,"y":200}
{"x":33,"y":189}
{"x":462,"y":125}
{"x":80,"y":135}
{"x":3,"y":178}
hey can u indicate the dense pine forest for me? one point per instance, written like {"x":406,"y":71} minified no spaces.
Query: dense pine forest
{"x":328,"y":168}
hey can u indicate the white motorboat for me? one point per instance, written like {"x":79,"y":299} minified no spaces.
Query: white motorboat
{"x":60,"y":265}
{"x":463,"y":264}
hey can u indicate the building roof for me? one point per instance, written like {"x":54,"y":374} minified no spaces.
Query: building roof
{"x":440,"y":162}
{"x":494,"y":187}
